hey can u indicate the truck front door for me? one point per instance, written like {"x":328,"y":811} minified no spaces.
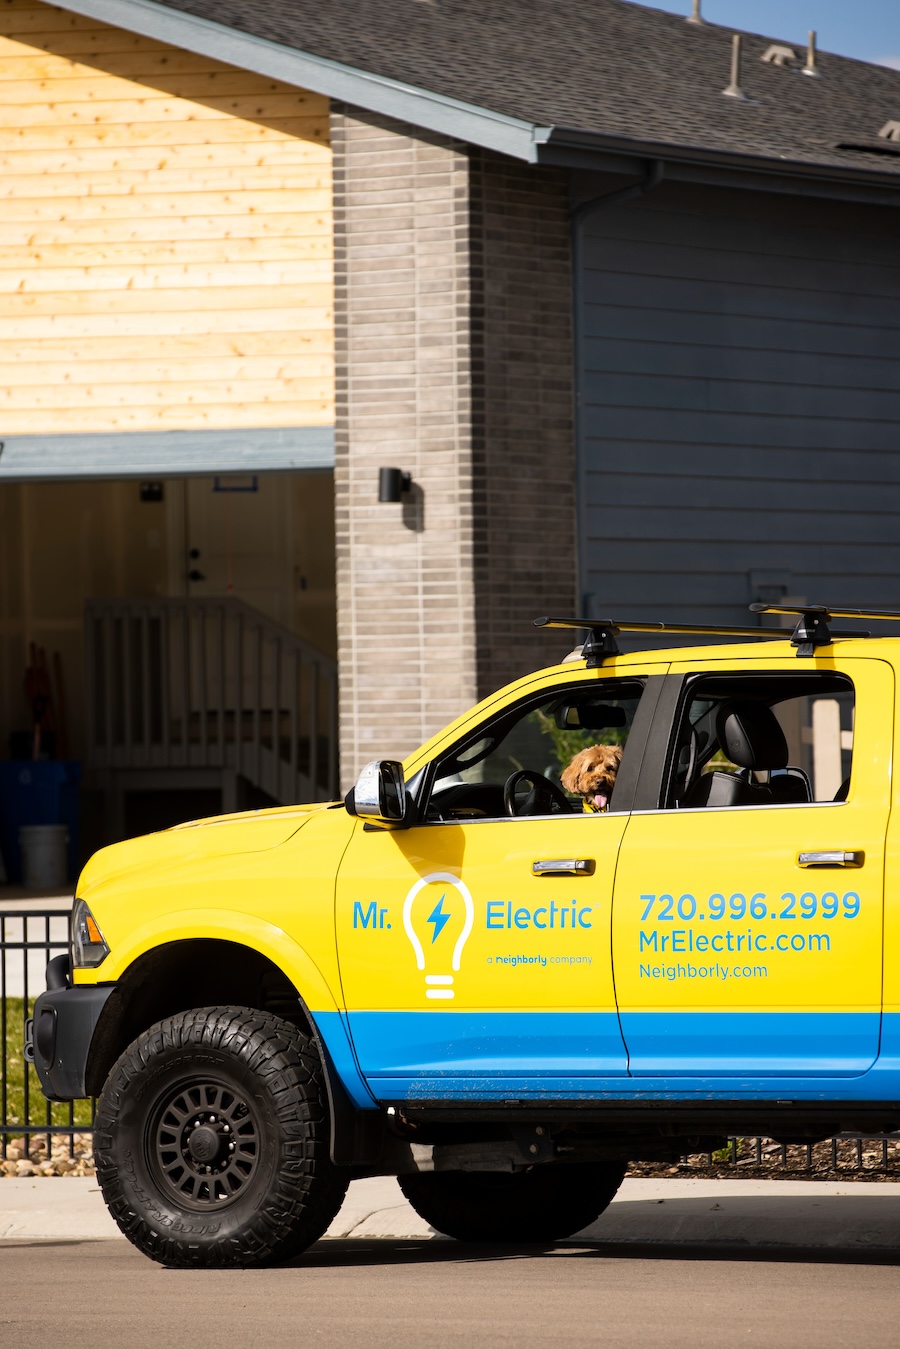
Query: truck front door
{"x":474,"y":947}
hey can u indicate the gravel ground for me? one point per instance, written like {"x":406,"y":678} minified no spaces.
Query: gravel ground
{"x":763,"y":1159}
{"x":65,"y":1157}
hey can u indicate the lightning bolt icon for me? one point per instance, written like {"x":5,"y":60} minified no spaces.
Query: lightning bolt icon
{"x":439,"y":918}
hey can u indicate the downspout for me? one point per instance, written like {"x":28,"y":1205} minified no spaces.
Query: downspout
{"x":652,"y":178}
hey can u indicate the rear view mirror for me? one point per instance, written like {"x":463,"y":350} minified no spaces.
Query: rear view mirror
{"x":589,"y":716}
{"x":380,"y":792}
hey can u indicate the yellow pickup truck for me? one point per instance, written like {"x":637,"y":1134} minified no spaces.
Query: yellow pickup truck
{"x":462,"y":977}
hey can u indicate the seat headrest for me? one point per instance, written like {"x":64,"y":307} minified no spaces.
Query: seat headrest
{"x":751,"y":736}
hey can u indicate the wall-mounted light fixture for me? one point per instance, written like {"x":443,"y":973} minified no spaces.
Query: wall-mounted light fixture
{"x":392,"y":483}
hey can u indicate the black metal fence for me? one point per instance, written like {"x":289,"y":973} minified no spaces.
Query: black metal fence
{"x":57,"y":1137}
{"x":32,"y":1131}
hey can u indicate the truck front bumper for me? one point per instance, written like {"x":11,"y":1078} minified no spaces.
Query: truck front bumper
{"x":58,"y":1038}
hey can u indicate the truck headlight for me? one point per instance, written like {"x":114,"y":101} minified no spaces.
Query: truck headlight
{"x":88,"y":947}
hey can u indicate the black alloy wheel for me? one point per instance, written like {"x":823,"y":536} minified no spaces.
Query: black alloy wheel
{"x":203,"y":1143}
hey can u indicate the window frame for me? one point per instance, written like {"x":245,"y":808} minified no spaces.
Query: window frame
{"x":679,"y":700}
{"x":632,"y":758}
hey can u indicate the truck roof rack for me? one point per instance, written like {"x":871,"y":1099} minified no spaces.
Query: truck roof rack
{"x":811,"y":631}
{"x":602,"y":633}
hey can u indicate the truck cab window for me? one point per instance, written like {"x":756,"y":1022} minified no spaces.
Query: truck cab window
{"x":537,"y":737}
{"x":761,"y":740}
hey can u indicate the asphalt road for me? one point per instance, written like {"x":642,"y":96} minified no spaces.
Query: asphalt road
{"x":412,"y":1293}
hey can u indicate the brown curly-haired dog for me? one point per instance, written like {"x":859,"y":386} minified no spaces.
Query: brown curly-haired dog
{"x":592,"y":774}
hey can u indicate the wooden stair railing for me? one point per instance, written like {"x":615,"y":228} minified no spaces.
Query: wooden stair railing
{"x":210,"y":684}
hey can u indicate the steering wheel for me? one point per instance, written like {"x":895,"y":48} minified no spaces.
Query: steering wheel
{"x":544,"y":794}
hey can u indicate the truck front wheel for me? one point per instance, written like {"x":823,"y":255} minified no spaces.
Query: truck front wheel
{"x":539,"y":1205}
{"x":211,"y":1141}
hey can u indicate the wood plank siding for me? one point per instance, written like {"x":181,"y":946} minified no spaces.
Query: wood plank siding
{"x":740,"y":379}
{"x":165,"y":236}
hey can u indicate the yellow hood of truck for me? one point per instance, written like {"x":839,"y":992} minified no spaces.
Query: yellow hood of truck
{"x":196,"y":840}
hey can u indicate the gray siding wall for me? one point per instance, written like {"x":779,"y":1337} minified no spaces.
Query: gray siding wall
{"x":740,"y":404}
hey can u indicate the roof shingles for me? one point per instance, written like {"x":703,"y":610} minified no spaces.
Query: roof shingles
{"x":602,"y":67}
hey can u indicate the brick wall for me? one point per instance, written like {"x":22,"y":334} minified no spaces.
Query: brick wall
{"x":406,"y":623}
{"x":453,"y":352}
{"x":523,"y":432}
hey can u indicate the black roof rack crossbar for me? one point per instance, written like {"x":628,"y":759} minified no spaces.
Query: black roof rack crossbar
{"x":826,"y":611}
{"x":603,"y":632}
{"x":813,"y":629}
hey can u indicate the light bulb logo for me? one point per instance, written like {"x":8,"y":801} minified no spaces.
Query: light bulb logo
{"x":431,"y":918}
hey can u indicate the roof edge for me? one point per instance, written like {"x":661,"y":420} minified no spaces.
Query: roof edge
{"x":81,"y":455}
{"x":360,"y":88}
{"x":574,"y":148}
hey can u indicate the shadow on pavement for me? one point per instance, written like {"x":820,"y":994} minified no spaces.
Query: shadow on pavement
{"x":392,"y":1253}
{"x":338,"y":1253}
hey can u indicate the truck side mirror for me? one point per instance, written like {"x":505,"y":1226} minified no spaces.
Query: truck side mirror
{"x":380,"y":793}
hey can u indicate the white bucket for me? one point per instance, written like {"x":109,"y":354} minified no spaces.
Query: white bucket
{"x":44,"y":855}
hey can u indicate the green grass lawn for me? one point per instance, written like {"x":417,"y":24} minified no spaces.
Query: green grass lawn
{"x":40,"y":1111}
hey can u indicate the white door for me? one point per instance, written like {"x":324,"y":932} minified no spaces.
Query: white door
{"x":237,"y":541}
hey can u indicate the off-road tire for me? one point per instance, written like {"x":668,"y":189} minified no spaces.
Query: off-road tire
{"x":539,"y":1205}
{"x":245,"y":1092}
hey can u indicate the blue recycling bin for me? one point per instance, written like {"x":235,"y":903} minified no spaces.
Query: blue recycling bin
{"x":37,"y":792}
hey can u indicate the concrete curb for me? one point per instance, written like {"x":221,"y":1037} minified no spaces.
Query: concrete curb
{"x":813,"y":1215}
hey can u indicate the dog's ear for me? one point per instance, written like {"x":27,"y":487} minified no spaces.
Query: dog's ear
{"x":570,"y":775}
{"x":616,"y":751}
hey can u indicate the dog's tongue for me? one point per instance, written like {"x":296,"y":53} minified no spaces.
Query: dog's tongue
{"x":601,"y":800}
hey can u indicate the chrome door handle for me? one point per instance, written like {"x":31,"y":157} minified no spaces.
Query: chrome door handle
{"x":831,"y":858}
{"x":571,"y":866}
